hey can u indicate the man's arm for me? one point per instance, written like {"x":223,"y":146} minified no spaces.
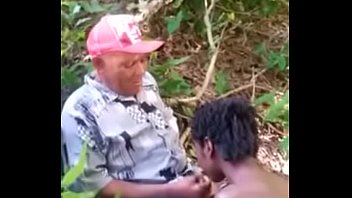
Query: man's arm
{"x":131,"y":190}
{"x":95,"y":176}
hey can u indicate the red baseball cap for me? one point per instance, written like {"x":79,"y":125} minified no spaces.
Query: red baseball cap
{"x":118,"y":33}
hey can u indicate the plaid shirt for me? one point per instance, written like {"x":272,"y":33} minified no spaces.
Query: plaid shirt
{"x":129,"y":138}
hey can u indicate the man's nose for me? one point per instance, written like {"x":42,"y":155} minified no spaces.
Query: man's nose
{"x":140,"y":68}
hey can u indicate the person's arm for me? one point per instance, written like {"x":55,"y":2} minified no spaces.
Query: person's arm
{"x":131,"y":190}
{"x":95,"y":176}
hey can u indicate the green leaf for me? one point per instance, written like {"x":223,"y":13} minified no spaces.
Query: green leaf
{"x":281,"y":62}
{"x":286,"y":115}
{"x":64,"y":3}
{"x":199,"y":28}
{"x":69,"y":194}
{"x":186,"y":14}
{"x":174,"y":23}
{"x":170,"y":87}
{"x":175,"y":62}
{"x":272,"y":60}
{"x":196,"y":4}
{"x":175,"y":85}
{"x":266,"y":98}
{"x":93,"y":7}
{"x":286,"y":125}
{"x":260,"y":49}
{"x":73,"y":8}
{"x":96,"y":7}
{"x":285,"y":144}
{"x":153,"y":57}
{"x":90,"y":67}
{"x":76,"y":9}
{"x":221,"y":82}
{"x":231,"y":16}
{"x":276,"y":109}
{"x":221,"y":17}
{"x":65,"y":16}
{"x":77,"y":170}
{"x":269,"y":7}
{"x":69,"y":77}
{"x":177,"y":3}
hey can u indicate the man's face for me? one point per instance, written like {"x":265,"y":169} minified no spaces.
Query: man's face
{"x":207,"y":161}
{"x":123,"y":72}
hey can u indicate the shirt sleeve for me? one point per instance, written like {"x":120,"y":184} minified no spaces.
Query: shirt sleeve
{"x":77,"y":130}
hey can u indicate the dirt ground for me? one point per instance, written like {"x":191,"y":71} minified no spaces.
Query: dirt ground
{"x":237,"y":57}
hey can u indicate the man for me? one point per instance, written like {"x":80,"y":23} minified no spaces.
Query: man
{"x":132,"y":137}
{"x":226,"y":142}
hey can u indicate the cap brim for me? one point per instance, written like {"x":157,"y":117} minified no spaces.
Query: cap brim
{"x":143,"y":47}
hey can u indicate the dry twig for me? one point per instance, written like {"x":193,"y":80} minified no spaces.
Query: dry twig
{"x":182,"y":116}
{"x":242,"y":87}
{"x":253,"y":86}
{"x":272,"y":127}
{"x":208,"y":24}
{"x":185,"y":135}
{"x":213,"y":58}
{"x":235,"y":91}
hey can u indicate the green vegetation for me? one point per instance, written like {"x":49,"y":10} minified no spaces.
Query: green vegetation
{"x":253,"y":49}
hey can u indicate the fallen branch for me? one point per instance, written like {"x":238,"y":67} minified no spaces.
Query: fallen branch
{"x":206,"y":81}
{"x":272,"y":127}
{"x":263,"y":88}
{"x":182,"y":116}
{"x":208,"y":24}
{"x":253,"y":86}
{"x":243,"y":87}
{"x":214,"y":56}
{"x":276,"y":130}
{"x":185,"y":135}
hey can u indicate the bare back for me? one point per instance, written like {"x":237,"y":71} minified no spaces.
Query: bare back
{"x":266,"y":185}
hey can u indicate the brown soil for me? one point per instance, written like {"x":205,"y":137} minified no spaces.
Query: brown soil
{"x":237,"y":58}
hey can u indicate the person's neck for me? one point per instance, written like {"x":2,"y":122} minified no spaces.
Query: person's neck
{"x":240,"y":171}
{"x":101,"y":80}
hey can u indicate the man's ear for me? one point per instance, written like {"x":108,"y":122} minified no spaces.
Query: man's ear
{"x":208,"y":148}
{"x":98,"y":63}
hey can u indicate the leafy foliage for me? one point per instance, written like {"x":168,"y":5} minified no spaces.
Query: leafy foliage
{"x":173,"y":23}
{"x":274,"y":60}
{"x":221,"y":82}
{"x":278,"y":112}
{"x":71,"y":176}
{"x":266,"y":98}
{"x":76,"y":18}
{"x":170,"y":82}
{"x":284,"y":144}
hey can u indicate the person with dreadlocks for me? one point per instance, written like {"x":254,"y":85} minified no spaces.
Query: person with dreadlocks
{"x":225,"y":135}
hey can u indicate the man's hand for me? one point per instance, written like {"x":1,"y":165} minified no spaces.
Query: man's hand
{"x":195,"y":186}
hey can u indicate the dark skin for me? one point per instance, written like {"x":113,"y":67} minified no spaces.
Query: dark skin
{"x":123,"y":73}
{"x":246,"y":178}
